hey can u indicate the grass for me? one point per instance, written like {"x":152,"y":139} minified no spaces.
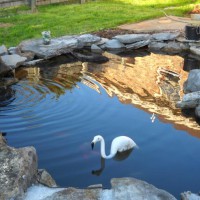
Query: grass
{"x":63,"y":19}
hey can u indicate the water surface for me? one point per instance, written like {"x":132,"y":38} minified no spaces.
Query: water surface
{"x":58,"y":109}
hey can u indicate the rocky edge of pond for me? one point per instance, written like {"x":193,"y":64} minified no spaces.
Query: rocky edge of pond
{"x":19,"y":172}
{"x":19,"y":166}
{"x":90,"y":48}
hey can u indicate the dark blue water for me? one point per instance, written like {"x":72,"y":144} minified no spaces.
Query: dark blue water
{"x":59,"y":110}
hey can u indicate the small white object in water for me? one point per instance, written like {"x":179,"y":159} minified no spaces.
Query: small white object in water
{"x":40,"y":192}
{"x":153,"y":118}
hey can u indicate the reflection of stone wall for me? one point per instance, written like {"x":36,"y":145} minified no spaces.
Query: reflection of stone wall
{"x":147,"y":82}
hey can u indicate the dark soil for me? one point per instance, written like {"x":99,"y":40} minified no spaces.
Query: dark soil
{"x":109,"y":33}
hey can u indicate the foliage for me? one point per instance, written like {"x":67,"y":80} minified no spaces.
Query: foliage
{"x":63,"y":19}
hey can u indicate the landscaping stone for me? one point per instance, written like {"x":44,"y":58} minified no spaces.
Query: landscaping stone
{"x":14,"y":50}
{"x":197,"y":111}
{"x":33,"y":62}
{"x":190,"y":100}
{"x":88,"y":39}
{"x":193,"y":82}
{"x":131,"y":38}
{"x":18,"y":170}
{"x":45,"y":178}
{"x":189,"y":196}
{"x":156,"y":46}
{"x":137,"y":45}
{"x":172,"y":47}
{"x":195,"y":50}
{"x":96,"y":49}
{"x":165,"y":36}
{"x":114,"y":44}
{"x":3,"y":67}
{"x":57,"y":47}
{"x":3,"y":50}
{"x":12,"y":61}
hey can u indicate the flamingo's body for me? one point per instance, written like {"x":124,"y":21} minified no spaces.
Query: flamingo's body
{"x":119,"y":144}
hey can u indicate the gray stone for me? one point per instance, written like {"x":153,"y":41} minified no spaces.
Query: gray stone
{"x":45,"y":178}
{"x":165,"y":36}
{"x":197,"y":111}
{"x":96,"y":49}
{"x":33,"y":62}
{"x":114,"y":45}
{"x":131,"y":188}
{"x":3,"y":50}
{"x":88,"y":39}
{"x":172,"y":47}
{"x":4,"y":68}
{"x":156,"y":46}
{"x":193,"y":82}
{"x":189,"y":196}
{"x":190,"y":100}
{"x":131,"y":38}
{"x":195,"y":50}
{"x":18,"y":170}
{"x":138,"y":45}
{"x":57,"y":47}
{"x":14,"y":50}
{"x":75,"y":194}
{"x":13,"y":61}
{"x":102,"y":41}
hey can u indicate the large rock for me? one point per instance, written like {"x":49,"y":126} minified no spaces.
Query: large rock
{"x":88,"y":39}
{"x":138,"y":45}
{"x":156,"y":46}
{"x":18,"y":170}
{"x":131,"y":188}
{"x":3,"y":50}
{"x":45,"y":178}
{"x":12,"y":61}
{"x":122,"y":188}
{"x":190,"y":100}
{"x":193,"y":82}
{"x":164,"y":36}
{"x":57,"y":47}
{"x":189,"y":196}
{"x":132,"y":38}
{"x":172,"y":47}
{"x":197,"y":111}
{"x":195,"y":50}
{"x":114,"y":44}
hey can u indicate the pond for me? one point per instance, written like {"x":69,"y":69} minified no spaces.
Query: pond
{"x":59,"y":108}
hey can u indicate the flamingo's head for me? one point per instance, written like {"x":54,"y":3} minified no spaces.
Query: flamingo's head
{"x":96,"y":139}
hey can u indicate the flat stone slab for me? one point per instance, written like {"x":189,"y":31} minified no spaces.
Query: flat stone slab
{"x":170,"y":23}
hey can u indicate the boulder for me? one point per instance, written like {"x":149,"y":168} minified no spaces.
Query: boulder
{"x":137,"y":45}
{"x":195,"y":50}
{"x":131,"y":188}
{"x":114,"y":44}
{"x":3,"y":50}
{"x":132,"y":38}
{"x":190,"y":100}
{"x":189,"y":196}
{"x":172,"y":47}
{"x":57,"y":47}
{"x":197,"y":111}
{"x":88,"y":39}
{"x":96,"y":49}
{"x":45,"y":178}
{"x":156,"y":46}
{"x":122,"y":188}
{"x":3,"y":67}
{"x":164,"y":36}
{"x":14,"y":50}
{"x":18,"y":170}
{"x":12,"y":61}
{"x":193,"y":82}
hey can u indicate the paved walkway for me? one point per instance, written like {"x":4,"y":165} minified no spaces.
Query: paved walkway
{"x":170,"y":23}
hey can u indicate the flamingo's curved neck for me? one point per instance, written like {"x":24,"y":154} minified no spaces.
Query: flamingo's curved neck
{"x":103,"y":154}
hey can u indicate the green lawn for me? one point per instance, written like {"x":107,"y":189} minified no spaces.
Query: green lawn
{"x":96,"y":15}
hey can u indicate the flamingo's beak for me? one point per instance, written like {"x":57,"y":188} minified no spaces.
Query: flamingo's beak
{"x":92,"y":145}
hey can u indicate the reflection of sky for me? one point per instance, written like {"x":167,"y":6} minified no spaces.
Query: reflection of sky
{"x":62,"y":128}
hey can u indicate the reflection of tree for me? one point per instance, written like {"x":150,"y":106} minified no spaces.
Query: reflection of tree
{"x":137,"y":81}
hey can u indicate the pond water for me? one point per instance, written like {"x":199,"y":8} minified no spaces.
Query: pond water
{"x":59,"y":108}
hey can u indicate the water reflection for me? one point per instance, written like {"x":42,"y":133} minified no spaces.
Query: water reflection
{"x":120,"y":156}
{"x":151,"y":82}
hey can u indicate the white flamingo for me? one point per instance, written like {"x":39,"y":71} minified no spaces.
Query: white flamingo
{"x":119,"y":144}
